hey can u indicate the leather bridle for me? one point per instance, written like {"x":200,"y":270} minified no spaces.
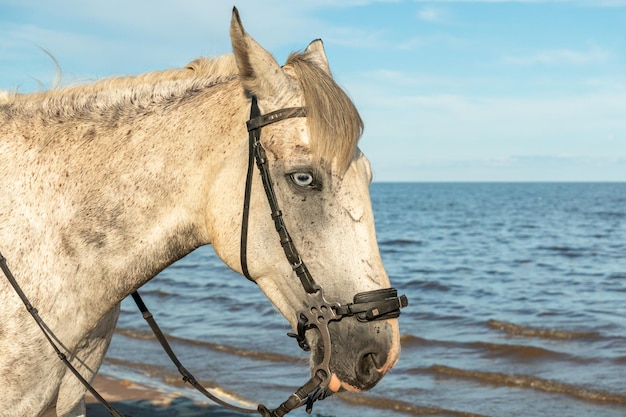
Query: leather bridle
{"x":368,"y":306}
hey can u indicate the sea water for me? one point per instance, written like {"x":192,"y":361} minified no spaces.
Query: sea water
{"x":517,"y":308}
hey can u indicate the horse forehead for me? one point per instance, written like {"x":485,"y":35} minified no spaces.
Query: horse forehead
{"x":288,"y":138}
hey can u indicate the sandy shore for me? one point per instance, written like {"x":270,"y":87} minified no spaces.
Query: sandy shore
{"x":135,"y":400}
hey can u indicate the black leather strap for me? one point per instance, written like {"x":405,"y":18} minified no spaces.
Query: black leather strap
{"x":243,"y":252}
{"x":256,"y":152}
{"x":51,"y":338}
{"x":187,"y":376}
{"x":374,"y":305}
{"x":258,"y":121}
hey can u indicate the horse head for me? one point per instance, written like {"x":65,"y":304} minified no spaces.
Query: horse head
{"x":320,"y":180}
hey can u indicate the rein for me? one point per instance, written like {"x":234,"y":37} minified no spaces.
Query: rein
{"x":51,"y":338}
{"x":367,"y":306}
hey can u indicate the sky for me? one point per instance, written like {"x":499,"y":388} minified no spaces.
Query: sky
{"x":450,"y":90}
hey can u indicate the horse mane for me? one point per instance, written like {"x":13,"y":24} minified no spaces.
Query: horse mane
{"x":116,"y":96}
{"x":334,"y":122}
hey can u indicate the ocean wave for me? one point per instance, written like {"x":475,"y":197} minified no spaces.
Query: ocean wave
{"x":617,"y":275}
{"x":400,"y":242}
{"x":531,"y":382}
{"x":402,"y":406}
{"x":611,"y":215}
{"x":543,"y":333}
{"x":566,"y":251}
{"x":157,"y":293}
{"x":620,"y":361}
{"x":414,"y":341}
{"x":135,"y":334}
{"x":267,"y":356}
{"x":495,"y":349}
{"x":523,"y":352}
{"x":499,"y":350}
{"x":174,"y":379}
{"x":150,"y":370}
{"x":428,"y":285}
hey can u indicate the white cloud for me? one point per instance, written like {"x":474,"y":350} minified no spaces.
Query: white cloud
{"x":93,"y":39}
{"x":156,"y":20}
{"x":559,"y":57}
{"x":356,"y":38}
{"x":505,"y":168}
{"x":405,"y":127}
{"x":430,"y":14}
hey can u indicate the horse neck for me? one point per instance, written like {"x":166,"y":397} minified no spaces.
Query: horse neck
{"x":123,"y":200}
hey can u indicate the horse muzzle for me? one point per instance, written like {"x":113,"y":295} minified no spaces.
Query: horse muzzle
{"x":355,"y":344}
{"x":362,"y":353}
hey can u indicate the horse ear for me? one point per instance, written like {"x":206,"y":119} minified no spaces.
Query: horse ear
{"x":316,"y":53}
{"x":259,"y":72}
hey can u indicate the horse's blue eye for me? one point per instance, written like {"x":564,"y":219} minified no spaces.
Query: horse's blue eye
{"x":302,"y":179}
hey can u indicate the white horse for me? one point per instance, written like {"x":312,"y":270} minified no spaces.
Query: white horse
{"x":105,"y":185}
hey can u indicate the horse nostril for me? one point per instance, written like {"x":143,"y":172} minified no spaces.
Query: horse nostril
{"x":367,"y":369}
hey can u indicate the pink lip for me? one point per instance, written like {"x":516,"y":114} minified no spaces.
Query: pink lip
{"x":336,"y":384}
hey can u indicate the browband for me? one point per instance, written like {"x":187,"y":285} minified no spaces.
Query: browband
{"x":269,"y":118}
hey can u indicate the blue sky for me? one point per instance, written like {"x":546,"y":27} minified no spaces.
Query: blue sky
{"x":449,"y":90}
